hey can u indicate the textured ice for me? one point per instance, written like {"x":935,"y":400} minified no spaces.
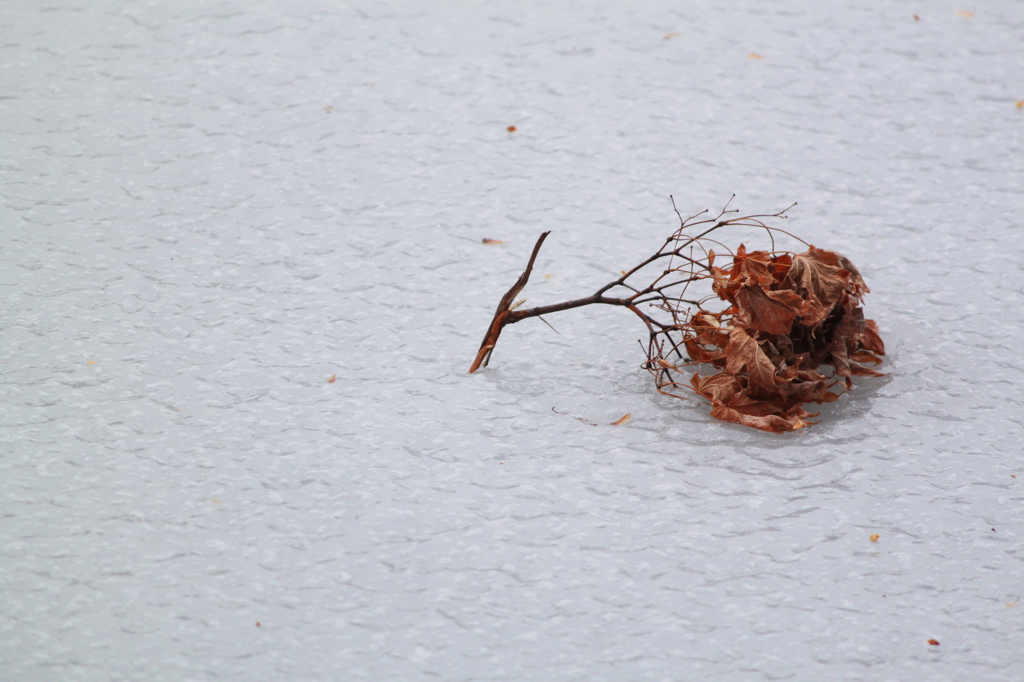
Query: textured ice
{"x":210,"y":208}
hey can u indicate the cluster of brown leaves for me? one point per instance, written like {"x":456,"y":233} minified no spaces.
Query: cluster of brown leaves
{"x":788,"y":315}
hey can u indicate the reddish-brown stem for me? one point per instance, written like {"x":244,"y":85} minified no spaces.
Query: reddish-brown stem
{"x":501,"y":314}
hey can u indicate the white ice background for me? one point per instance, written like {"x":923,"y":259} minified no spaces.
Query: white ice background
{"x":209,"y":208}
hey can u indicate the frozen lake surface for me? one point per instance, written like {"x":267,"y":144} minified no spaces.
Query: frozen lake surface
{"x":208,"y":209}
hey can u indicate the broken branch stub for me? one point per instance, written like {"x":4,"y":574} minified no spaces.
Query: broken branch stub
{"x":781,"y":317}
{"x":500,"y":318}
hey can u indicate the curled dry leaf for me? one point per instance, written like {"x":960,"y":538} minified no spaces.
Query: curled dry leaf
{"x":744,"y":353}
{"x":933,"y":642}
{"x":487,"y":240}
{"x":622,"y":420}
{"x":331,"y":379}
{"x":873,"y":537}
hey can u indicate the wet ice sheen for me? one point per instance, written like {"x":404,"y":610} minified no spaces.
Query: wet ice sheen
{"x":220,"y":208}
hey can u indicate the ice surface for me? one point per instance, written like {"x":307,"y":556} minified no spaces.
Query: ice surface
{"x":210,"y":208}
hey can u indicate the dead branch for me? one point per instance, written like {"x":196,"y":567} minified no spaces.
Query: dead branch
{"x":787,"y":315}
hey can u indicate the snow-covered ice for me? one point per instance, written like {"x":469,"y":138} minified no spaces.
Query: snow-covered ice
{"x":208,"y":209}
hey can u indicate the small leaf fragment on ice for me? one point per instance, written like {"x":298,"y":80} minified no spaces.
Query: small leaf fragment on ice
{"x":622,"y":420}
{"x":966,"y":15}
{"x":1019,"y":104}
{"x":488,"y":240}
{"x":873,"y":537}
{"x":92,"y":362}
{"x":933,"y":642}
{"x":670,"y":36}
{"x":754,"y":55}
{"x":511,"y":129}
{"x":332,"y":378}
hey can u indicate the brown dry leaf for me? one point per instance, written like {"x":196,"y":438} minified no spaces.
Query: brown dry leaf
{"x":718,"y":388}
{"x":707,"y":320}
{"x":332,"y":378}
{"x":751,"y":269}
{"x":744,"y":404}
{"x":873,"y":537}
{"x":767,"y":311}
{"x":862,"y":371}
{"x":699,"y":353}
{"x":705,"y":330}
{"x":866,"y":356}
{"x":622,"y":420}
{"x":870,"y":339}
{"x":492,"y":242}
{"x":770,"y":422}
{"x":511,"y":129}
{"x":933,"y":642}
{"x":742,"y":352}
{"x":819,"y":276}
{"x":799,"y":386}
{"x":848,"y":336}
{"x":966,"y":15}
{"x":711,"y":257}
